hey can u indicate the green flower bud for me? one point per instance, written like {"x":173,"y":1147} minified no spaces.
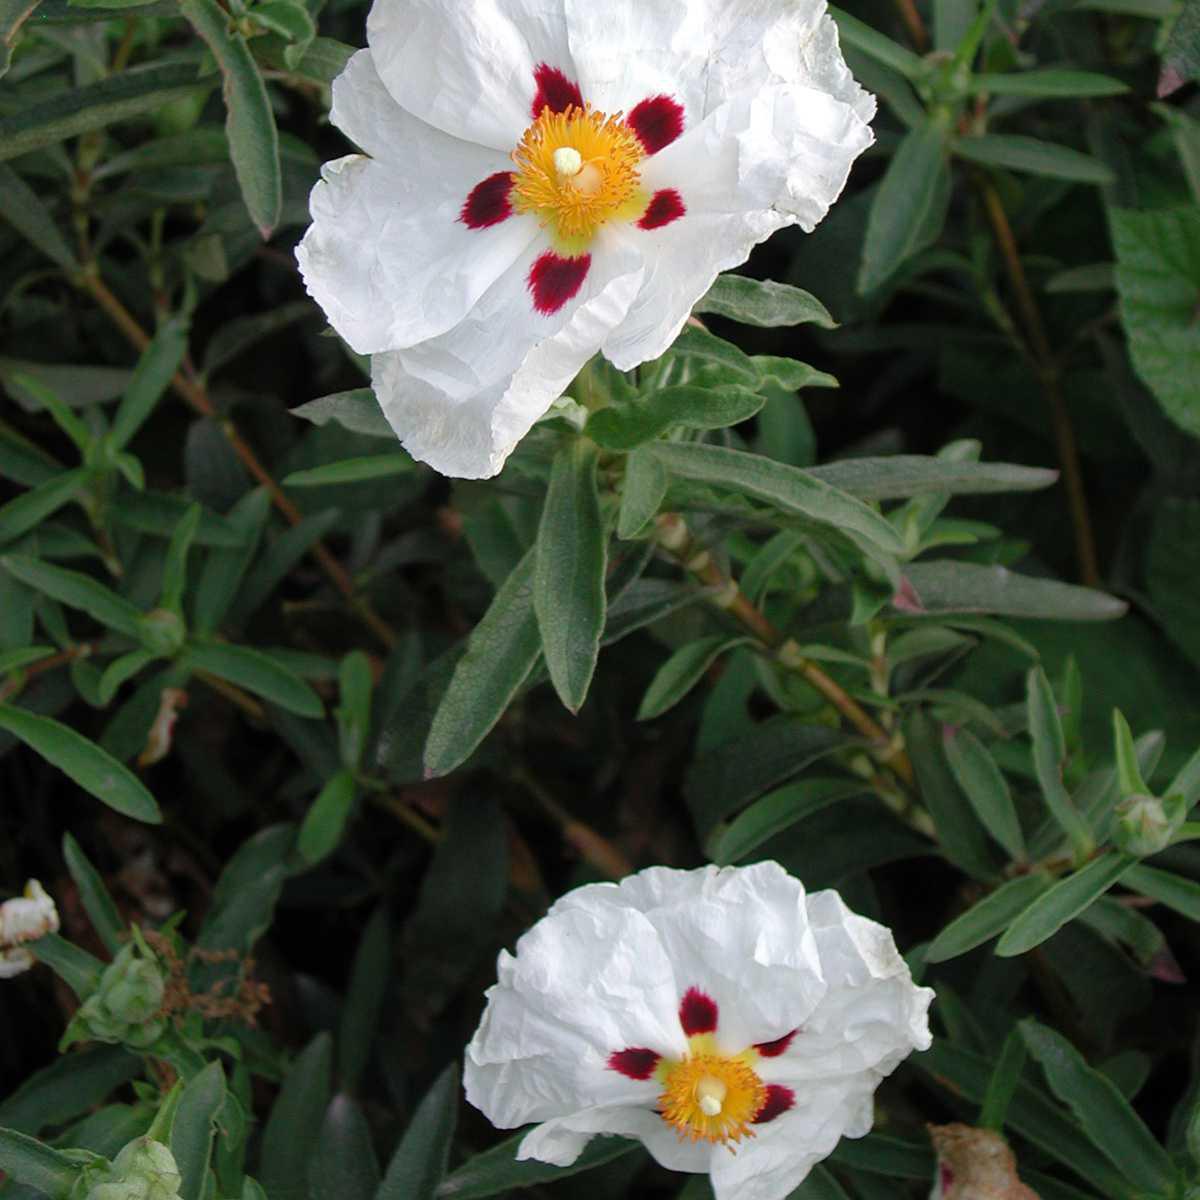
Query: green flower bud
{"x":151,"y":1162}
{"x":140,"y":1036}
{"x":1143,"y":827}
{"x":98,"y":1023}
{"x":136,"y":993}
{"x":162,"y":632}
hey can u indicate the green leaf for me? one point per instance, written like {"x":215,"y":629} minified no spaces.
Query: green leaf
{"x":1050,"y":760}
{"x":763,"y":303}
{"x":295,"y":1122}
{"x":1048,"y":81}
{"x":985,"y":787}
{"x":194,"y":1128}
{"x":76,"y":590}
{"x":46,"y":398}
{"x":883,"y":1155}
{"x":570,"y":561}
{"x":133,"y":92}
{"x":364,"y":999}
{"x":775,"y":812}
{"x":68,"y":1088}
{"x":1016,"y":152}
{"x":904,"y":204}
{"x":902,"y":476}
{"x":14,"y":660}
{"x":250,"y":123}
{"x":243,"y":902}
{"x":1063,"y":903}
{"x":642,"y":492}
{"x":29,"y":1162}
{"x":1002,"y":1085}
{"x":497,"y":1170}
{"x":419,"y":1163}
{"x":1158,"y":277}
{"x":29,"y":509}
{"x":1183,"y":895}
{"x":966,"y":587}
{"x":789,"y":489}
{"x":97,"y":903}
{"x":500,"y":653}
{"x":641,"y":420}
{"x":989,"y":917}
{"x":1129,"y":774}
{"x":240,"y":334}
{"x":724,"y":778}
{"x":78,"y":969}
{"x":862,"y":37}
{"x":352,"y":470}
{"x":285,"y":18}
{"x":220,"y":583}
{"x":958,"y":829}
{"x":22,"y":208}
{"x":155,"y":369}
{"x":325,"y":821}
{"x":682,"y":671}
{"x":174,"y":579}
{"x":1105,"y":1115}
{"x":93,"y":769}
{"x":157,"y":514}
{"x":356,"y":410}
{"x":355,"y":685}
{"x":344,"y":1165}
{"x":13,"y":14}
{"x":256,"y":672}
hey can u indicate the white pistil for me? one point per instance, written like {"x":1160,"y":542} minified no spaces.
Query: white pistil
{"x":710,"y":1093}
{"x":568,"y":162}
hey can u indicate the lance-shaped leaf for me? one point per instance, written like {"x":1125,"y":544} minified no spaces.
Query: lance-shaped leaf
{"x":98,"y":904}
{"x":1019,"y":153}
{"x":789,"y":489}
{"x":1105,"y":1115}
{"x":129,"y":93}
{"x":27,"y":1161}
{"x":906,"y":205}
{"x":763,"y":303}
{"x":500,"y":653}
{"x":570,"y":560}
{"x":901,"y":476}
{"x":30,"y":508}
{"x":1048,"y":81}
{"x":1049,"y":760}
{"x":93,"y":768}
{"x":250,"y":123}
{"x":75,"y":590}
{"x":256,"y":672}
{"x":642,"y":493}
{"x":1062,"y":903}
{"x":985,"y":787}
{"x":155,"y":369}
{"x":356,"y":410}
{"x":641,"y":420}
{"x":194,"y":1129}
{"x":991,"y":916}
{"x":682,"y":671}
{"x":22,"y":208}
{"x":419,"y":1163}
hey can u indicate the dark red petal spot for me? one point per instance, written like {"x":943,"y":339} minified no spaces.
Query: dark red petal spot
{"x":697,"y":1012}
{"x":664,"y":207}
{"x":945,"y":1178}
{"x":779,"y":1100}
{"x":657,"y":121}
{"x":553,"y":280}
{"x":554,"y":91}
{"x":777,"y":1047}
{"x":489,"y":202}
{"x":637,"y":1063}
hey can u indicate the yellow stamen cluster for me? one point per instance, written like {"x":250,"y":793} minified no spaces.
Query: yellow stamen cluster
{"x":576,"y":170}
{"x":711,"y":1097}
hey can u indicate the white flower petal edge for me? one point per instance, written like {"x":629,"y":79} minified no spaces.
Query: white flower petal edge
{"x":595,"y":1004}
{"x":24,"y":918}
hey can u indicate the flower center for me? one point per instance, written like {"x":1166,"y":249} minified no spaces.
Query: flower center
{"x":576,"y":170}
{"x":711,"y":1097}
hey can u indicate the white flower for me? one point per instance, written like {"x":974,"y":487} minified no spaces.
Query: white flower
{"x":24,"y":918}
{"x":721,"y":1016}
{"x":545,"y":179}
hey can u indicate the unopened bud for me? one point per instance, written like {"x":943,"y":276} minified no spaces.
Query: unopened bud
{"x":1143,"y":827}
{"x":144,"y":1170}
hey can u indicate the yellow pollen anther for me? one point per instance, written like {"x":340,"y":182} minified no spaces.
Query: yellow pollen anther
{"x":576,"y":170}
{"x":711,"y":1097}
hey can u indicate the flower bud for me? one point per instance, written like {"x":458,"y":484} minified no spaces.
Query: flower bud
{"x":135,"y":993}
{"x":144,"y":1170}
{"x":1143,"y":827}
{"x":162,"y":632}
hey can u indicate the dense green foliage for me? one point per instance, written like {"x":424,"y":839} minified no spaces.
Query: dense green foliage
{"x":932,"y":638}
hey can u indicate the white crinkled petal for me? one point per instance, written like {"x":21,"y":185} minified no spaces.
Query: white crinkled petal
{"x":739,"y":934}
{"x":386,"y":256}
{"x":585,"y":983}
{"x":561,"y":1141}
{"x":462,"y":401}
{"x":760,"y":162}
{"x":703,"y":52}
{"x":468,"y":66}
